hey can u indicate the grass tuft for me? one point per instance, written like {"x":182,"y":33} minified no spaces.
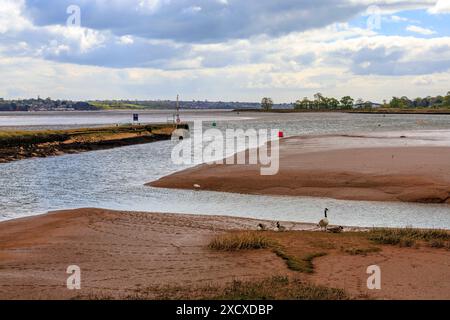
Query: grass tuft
{"x":304,"y":264}
{"x":254,"y":240}
{"x":239,"y":241}
{"x":361,"y":251}
{"x":279,"y":288}
{"x":274,"y":288}
{"x":407,"y":237}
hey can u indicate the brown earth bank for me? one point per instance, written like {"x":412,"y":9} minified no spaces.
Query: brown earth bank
{"x":409,"y":174}
{"x":127,"y":255}
{"x":31,"y":144}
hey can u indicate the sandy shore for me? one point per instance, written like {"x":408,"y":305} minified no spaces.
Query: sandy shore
{"x":341,"y":168}
{"x":121,"y":253}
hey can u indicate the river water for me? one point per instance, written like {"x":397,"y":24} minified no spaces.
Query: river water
{"x":115,"y":178}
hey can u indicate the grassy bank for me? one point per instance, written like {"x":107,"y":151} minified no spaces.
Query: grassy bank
{"x":117,"y":106}
{"x":17,"y":145}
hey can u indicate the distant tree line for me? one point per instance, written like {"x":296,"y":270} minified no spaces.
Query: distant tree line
{"x":428,"y":102}
{"x":43,"y":105}
{"x":321,"y":102}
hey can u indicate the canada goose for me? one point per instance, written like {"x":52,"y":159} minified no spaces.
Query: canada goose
{"x":280,"y":228}
{"x":324,"y":222}
{"x":262,"y":227}
{"x":335,"y":229}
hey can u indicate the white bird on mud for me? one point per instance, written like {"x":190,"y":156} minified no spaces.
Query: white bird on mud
{"x":324,"y":222}
{"x":197,"y":186}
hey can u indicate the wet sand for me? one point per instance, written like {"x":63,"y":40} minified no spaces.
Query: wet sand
{"x":121,"y":253}
{"x":348,"y":168}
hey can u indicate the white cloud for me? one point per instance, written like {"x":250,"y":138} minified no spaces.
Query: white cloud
{"x":420,"y":30}
{"x":423,"y":81}
{"x":395,"y":18}
{"x":276,"y":57}
{"x":192,"y":10}
{"x":125,"y":40}
{"x":11,"y":18}
{"x":442,"y":6}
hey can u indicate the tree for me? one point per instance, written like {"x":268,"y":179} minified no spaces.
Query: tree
{"x":303,"y":104}
{"x":447,"y":100}
{"x":418,"y":103}
{"x":318,"y":96}
{"x":333,"y":103}
{"x":439,"y":100}
{"x":397,"y":103}
{"x":267,"y":104}
{"x":406,"y":102}
{"x":347,"y":102}
{"x":319,"y":101}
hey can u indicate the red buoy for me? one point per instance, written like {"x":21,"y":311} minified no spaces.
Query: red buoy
{"x":280,"y":134}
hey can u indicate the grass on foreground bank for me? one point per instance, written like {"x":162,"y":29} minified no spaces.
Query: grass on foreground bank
{"x":409,"y":237}
{"x":274,"y":288}
{"x":279,"y":288}
{"x":255,"y":240}
{"x":22,"y":138}
{"x":240,"y":241}
{"x":298,"y":249}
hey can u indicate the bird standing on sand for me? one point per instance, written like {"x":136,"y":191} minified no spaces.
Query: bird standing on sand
{"x":280,"y":228}
{"x":324,"y":222}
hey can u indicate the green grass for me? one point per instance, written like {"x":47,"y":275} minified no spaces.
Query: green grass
{"x":408,"y":237}
{"x":303,"y":264}
{"x":255,"y":241}
{"x":274,"y":288}
{"x":117,"y":105}
{"x":360,"y":251}
{"x":13,"y":138}
{"x":279,"y":288}
{"x":23,"y":138}
{"x":239,"y":241}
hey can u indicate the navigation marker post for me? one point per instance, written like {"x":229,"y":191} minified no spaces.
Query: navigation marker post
{"x":178,"y":120}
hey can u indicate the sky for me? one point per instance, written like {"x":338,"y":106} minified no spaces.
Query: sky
{"x":224,"y":50}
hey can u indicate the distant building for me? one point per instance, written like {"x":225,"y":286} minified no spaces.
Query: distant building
{"x":367,"y":105}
